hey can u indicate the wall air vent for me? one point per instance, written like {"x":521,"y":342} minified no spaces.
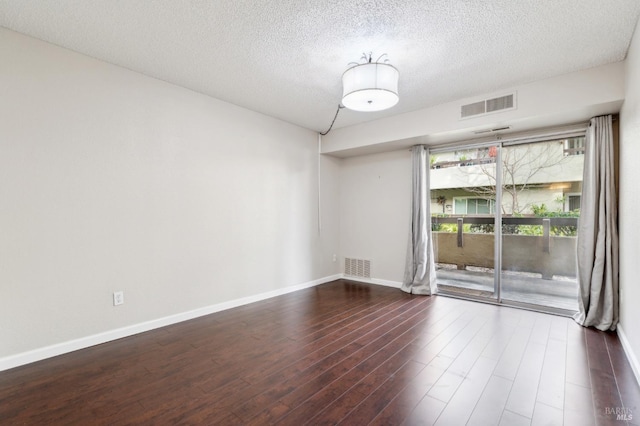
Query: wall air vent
{"x":488,"y":106}
{"x":357,"y":267}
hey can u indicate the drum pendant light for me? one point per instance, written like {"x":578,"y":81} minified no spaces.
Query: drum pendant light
{"x":370,"y":86}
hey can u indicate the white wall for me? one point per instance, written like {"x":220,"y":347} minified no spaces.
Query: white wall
{"x":110,"y":180}
{"x":375,"y":201}
{"x":630,"y":202}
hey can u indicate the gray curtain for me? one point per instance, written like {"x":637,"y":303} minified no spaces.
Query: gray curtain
{"x":597,"y":248}
{"x":420,"y":269}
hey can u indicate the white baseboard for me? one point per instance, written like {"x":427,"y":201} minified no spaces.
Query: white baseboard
{"x":631,"y":356}
{"x":387,"y":283}
{"x":107,"y":336}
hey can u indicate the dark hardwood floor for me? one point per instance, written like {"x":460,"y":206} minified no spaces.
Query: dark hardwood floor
{"x":342,"y":352}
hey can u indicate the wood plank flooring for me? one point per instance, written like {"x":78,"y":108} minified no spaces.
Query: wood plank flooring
{"x":340,"y":353}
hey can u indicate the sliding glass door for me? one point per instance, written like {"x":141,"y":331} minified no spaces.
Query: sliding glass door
{"x":504,"y":221}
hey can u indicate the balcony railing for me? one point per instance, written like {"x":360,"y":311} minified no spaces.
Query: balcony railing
{"x":546,"y":254}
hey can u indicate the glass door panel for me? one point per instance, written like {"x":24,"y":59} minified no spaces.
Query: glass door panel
{"x":539,"y":214}
{"x":463,"y":200}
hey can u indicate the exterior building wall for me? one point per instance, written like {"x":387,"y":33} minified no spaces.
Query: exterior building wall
{"x":543,"y":166}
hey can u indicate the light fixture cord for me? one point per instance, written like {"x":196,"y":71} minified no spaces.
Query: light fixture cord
{"x":334,"y":120}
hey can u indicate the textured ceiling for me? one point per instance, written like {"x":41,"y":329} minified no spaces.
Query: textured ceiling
{"x":286,"y":58}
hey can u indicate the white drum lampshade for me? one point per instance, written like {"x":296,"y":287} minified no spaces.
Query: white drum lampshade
{"x":371,"y":86}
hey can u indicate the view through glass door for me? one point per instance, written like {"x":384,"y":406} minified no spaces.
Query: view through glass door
{"x":463,"y":209}
{"x":530,"y":260}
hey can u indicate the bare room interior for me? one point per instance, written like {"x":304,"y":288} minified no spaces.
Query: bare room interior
{"x":312,"y":212}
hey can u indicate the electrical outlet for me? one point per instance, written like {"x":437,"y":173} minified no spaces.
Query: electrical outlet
{"x":335,"y":258}
{"x":118,"y":298}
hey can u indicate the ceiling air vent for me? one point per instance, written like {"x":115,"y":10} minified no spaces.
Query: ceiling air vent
{"x":473,"y":109}
{"x":488,"y":106}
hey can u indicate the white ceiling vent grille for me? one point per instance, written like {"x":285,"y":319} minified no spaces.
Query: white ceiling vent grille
{"x":357,"y":267}
{"x":488,"y":106}
{"x":476,"y":108}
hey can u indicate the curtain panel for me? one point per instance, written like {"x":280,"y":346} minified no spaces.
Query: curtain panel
{"x":597,"y":245}
{"x":420,"y":269}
